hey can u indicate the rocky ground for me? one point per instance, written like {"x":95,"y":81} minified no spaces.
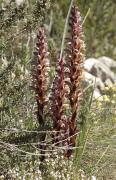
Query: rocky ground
{"x":100,"y":73}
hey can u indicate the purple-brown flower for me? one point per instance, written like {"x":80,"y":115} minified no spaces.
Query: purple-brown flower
{"x":60,"y":122}
{"x":74,"y":61}
{"x":40,"y":74}
{"x":40,"y":82}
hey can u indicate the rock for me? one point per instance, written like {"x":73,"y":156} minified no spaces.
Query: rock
{"x":108,"y":82}
{"x":90,"y":80}
{"x":108,"y":62}
{"x":99,"y":69}
{"x":94,"y":81}
{"x":99,"y":74}
{"x":102,"y":71}
{"x":89,"y":63}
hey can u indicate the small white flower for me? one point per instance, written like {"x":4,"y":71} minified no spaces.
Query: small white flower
{"x":19,"y":2}
{"x":13,"y":75}
{"x":5,"y":62}
{"x":2,"y":177}
{"x":93,"y":178}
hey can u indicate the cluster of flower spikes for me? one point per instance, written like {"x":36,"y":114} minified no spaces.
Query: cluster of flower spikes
{"x":65,"y":127}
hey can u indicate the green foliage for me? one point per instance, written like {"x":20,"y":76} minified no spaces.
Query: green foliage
{"x":99,"y":26}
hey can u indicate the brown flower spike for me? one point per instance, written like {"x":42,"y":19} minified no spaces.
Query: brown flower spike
{"x":60,"y":123}
{"x":40,"y":74}
{"x":74,"y":61}
{"x":40,"y":79}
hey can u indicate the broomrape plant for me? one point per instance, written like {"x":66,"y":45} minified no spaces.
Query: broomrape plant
{"x":65,"y":86}
{"x":74,"y":62}
{"x":40,"y":80}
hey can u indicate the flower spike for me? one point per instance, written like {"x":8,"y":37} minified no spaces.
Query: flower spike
{"x":74,"y":61}
{"x":60,"y":121}
{"x":40,"y":81}
{"x":40,"y":74}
